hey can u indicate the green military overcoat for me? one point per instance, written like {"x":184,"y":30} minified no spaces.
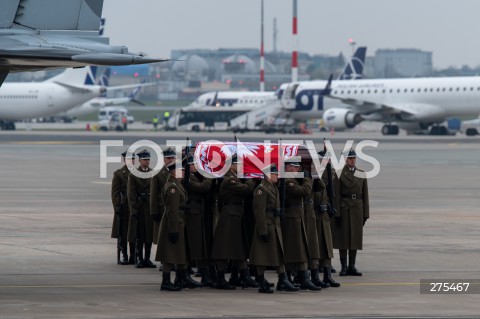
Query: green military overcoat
{"x":198,"y":241}
{"x":266,"y":202}
{"x":352,"y":211}
{"x":311,"y":226}
{"x":120,"y":201}
{"x":138,"y":190}
{"x":174,"y":198}
{"x":325,"y":241}
{"x":156,"y":205}
{"x":294,"y":236}
{"x":229,"y":241}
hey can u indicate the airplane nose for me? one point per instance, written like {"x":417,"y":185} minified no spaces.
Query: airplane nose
{"x":103,"y":90}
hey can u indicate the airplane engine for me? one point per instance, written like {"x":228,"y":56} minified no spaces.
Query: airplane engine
{"x":341,"y":118}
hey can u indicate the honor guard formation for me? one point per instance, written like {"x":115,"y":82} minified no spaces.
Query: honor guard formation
{"x":239,"y":226}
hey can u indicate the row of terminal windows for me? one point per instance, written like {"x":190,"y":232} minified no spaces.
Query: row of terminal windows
{"x":20,"y":96}
{"x":458,"y":89}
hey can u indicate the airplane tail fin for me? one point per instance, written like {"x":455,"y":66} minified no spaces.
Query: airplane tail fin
{"x":354,"y":68}
{"x":104,"y":80}
{"x":134,"y":93}
{"x":72,"y":15}
{"x":91,"y":75}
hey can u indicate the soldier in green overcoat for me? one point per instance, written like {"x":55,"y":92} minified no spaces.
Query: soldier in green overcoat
{"x":352,"y":196}
{"x":121,"y":209}
{"x":229,"y":242}
{"x":293,"y":225}
{"x":140,"y":228}
{"x":323,"y":212}
{"x":156,"y":187}
{"x":267,"y":243}
{"x":172,"y":247}
{"x":196,"y":222}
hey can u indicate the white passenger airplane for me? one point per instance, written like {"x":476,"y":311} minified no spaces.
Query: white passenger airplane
{"x":95,"y":104}
{"x":353,"y":70}
{"x":26,"y":100}
{"x":413,"y":104}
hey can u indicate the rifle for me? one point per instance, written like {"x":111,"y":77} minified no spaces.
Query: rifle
{"x":330,"y":192}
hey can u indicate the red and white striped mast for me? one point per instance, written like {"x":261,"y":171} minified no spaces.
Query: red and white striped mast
{"x":295,"y":43}
{"x":262,"y":56}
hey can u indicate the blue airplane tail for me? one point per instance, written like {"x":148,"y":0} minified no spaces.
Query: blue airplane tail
{"x":354,"y":68}
{"x":91,"y":74}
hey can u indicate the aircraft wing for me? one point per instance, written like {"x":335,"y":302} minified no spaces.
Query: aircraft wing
{"x":129,"y":86}
{"x":76,"y":88}
{"x":112,"y":102}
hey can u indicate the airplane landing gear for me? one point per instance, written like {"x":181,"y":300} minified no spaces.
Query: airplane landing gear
{"x":438,"y":130}
{"x":390,"y":129}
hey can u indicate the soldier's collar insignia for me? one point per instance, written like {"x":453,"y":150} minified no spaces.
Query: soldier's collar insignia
{"x":172,"y":191}
{"x":259,"y":192}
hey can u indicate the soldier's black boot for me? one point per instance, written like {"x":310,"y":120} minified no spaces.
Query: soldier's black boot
{"x":316,"y":279}
{"x":147,"y":263}
{"x":263,"y":286}
{"x":234,"y":280}
{"x":178,"y":278}
{"x":327,"y":278}
{"x":213,"y":273}
{"x":246,"y":280}
{"x":352,"y":271}
{"x":289,"y":278}
{"x":343,"y":271}
{"x":188,"y":282}
{"x":124,"y":260}
{"x":269,"y":283}
{"x":222,"y":283}
{"x":284,"y":284}
{"x":332,"y":270}
{"x":167,"y":284}
{"x":139,"y":262}
{"x":131,"y":260}
{"x":206,"y":282}
{"x":306,"y":282}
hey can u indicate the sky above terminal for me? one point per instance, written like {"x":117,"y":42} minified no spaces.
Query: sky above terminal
{"x":449,"y":28}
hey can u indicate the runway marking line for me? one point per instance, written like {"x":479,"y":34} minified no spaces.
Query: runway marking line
{"x":101,"y":183}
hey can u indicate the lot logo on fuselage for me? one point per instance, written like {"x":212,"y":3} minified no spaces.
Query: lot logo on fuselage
{"x":306,"y":100}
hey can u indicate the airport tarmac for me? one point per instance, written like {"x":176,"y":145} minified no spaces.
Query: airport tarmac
{"x":58,"y":261}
